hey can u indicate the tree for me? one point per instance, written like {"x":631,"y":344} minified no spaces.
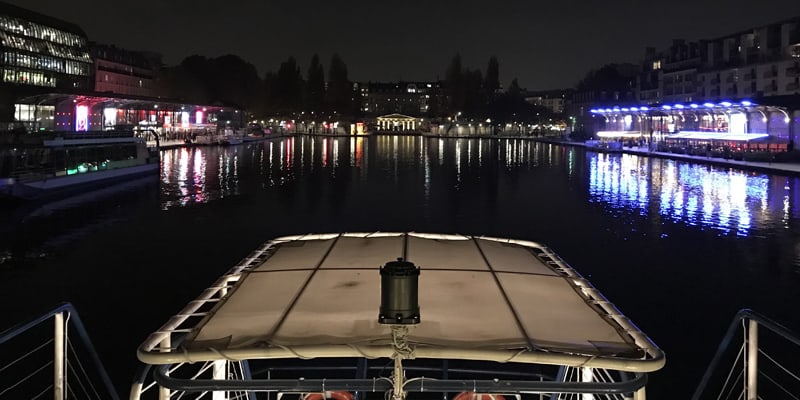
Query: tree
{"x":491,"y":82}
{"x":474,"y":99}
{"x":227,"y":79}
{"x":340,"y":89}
{"x":288,"y":86}
{"x":514,"y":90}
{"x":232,"y":80}
{"x":454,"y":85}
{"x":315,"y":86}
{"x":614,"y":81}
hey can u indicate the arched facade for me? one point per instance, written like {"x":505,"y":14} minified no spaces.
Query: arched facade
{"x":397,"y":123}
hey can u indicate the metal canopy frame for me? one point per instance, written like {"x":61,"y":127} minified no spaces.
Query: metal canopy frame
{"x":163,"y":350}
{"x":381,"y":385}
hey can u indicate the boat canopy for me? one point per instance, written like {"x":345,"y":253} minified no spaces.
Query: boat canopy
{"x":480,"y":298}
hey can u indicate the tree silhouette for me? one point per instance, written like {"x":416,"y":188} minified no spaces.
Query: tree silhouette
{"x":340,"y":89}
{"x":315,"y":86}
{"x":454,"y":85}
{"x":491,"y":82}
{"x":288,"y":86}
{"x":227,"y":79}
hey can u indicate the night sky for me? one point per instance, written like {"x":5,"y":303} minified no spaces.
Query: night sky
{"x":546,"y":44}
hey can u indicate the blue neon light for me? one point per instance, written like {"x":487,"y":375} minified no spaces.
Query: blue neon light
{"x":726,"y":103}
{"x":709,"y":105}
{"x":693,"y":105}
{"x":679,"y":106}
{"x":746,"y":103}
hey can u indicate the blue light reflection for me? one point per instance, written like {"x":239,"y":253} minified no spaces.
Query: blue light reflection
{"x":730,"y":201}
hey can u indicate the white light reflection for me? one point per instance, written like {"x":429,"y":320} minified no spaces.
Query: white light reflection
{"x":324,"y":152}
{"x":183,"y":172}
{"x":352,"y":151}
{"x":166,"y":166}
{"x":335,"y":154}
{"x":458,"y":164}
{"x":441,"y":152}
{"x":283,"y":145}
{"x":480,"y":153}
{"x":199,"y":177}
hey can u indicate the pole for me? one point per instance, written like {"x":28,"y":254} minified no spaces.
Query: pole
{"x":587,"y":375}
{"x":163,"y":393}
{"x":58,"y":357}
{"x":751,"y":386}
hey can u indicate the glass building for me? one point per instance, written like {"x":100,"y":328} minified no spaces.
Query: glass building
{"x":41,"y":51}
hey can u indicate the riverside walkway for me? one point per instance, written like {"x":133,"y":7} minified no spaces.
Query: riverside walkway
{"x":780,"y":168}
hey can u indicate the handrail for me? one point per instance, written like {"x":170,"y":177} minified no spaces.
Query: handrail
{"x":161,"y":376}
{"x":67,"y":307}
{"x":741,"y":315}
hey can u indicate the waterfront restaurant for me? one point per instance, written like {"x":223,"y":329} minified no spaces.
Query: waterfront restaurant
{"x":732,"y":124}
{"x":105,"y":111}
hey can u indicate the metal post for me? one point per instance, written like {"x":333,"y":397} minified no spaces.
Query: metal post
{"x":587,"y":375}
{"x":163,"y":393}
{"x":219,"y":369}
{"x":751,"y":386}
{"x":219,"y":372}
{"x":58,"y":357}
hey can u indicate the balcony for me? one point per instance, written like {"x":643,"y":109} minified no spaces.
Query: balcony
{"x":750,"y":76}
{"x":715,"y":81}
{"x":730,"y":78}
{"x":792,"y":87}
{"x":792,"y":71}
{"x":770,"y":88}
{"x":730,"y":92}
{"x":770,"y":74}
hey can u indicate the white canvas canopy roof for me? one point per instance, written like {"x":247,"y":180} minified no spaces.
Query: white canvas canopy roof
{"x":480,"y":298}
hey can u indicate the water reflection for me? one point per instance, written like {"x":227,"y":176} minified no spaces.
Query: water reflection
{"x":727,"y":200}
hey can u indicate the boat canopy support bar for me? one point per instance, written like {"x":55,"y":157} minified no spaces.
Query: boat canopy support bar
{"x":383,"y":385}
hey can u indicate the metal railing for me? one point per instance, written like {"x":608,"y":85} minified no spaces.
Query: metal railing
{"x":755,"y":369}
{"x":25,"y":375}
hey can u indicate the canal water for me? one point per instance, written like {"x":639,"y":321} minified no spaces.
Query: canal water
{"x":678,"y":247}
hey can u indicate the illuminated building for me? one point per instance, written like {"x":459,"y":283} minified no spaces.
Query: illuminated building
{"x":755,"y":63}
{"x":124,"y":72}
{"x":37,"y":54}
{"x":729,"y":121}
{"x":409,"y":98}
{"x":42,"y":51}
{"x":553,"y":100}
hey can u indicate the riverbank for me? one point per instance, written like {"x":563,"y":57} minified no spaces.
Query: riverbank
{"x":767,"y":167}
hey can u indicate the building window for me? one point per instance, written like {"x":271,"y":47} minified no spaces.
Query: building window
{"x":656,"y":65}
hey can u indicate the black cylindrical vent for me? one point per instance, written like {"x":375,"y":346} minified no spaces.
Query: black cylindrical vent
{"x":399,"y":293}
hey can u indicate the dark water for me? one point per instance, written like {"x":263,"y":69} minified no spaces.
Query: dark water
{"x":679,"y":248}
